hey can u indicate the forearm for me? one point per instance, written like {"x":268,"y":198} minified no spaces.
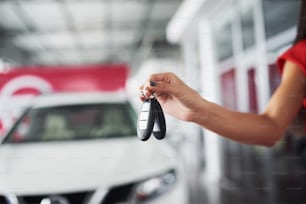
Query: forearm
{"x":242,"y":127}
{"x":184,"y":103}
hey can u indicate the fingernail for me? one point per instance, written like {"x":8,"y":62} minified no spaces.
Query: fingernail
{"x":152,"y":83}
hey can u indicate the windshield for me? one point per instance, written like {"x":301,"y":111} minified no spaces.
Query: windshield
{"x":74,"y":122}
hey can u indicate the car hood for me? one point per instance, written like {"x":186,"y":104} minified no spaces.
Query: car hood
{"x":55,"y":167}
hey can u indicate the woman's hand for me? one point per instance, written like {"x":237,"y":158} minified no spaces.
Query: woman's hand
{"x":176,"y":98}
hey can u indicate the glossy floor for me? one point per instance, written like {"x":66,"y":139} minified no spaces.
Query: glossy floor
{"x":271,"y":176}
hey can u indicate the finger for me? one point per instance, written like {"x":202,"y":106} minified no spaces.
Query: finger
{"x":142,"y":98}
{"x":146,"y":88}
{"x":157,"y":87}
{"x":160,"y":77}
{"x":148,"y":91}
{"x":141,"y":90}
{"x":161,"y":88}
{"x":142,"y":95}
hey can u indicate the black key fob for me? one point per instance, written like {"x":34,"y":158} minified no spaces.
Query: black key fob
{"x":159,"y":129}
{"x":145,"y":121}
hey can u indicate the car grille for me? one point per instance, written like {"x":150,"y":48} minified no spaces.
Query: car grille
{"x":3,"y":200}
{"x":79,"y":197}
{"x":115,"y":195}
{"x":119,"y":194}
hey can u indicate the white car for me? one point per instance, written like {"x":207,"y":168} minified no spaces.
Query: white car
{"x":78,"y":148}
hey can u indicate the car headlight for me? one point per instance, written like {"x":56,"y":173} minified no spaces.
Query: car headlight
{"x":155,"y":186}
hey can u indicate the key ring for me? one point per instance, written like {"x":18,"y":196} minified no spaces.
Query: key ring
{"x":141,"y":93}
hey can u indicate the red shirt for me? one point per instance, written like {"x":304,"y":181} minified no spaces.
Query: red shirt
{"x":297,"y":55}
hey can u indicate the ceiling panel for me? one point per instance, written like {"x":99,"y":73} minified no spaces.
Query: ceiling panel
{"x":28,"y":42}
{"x":88,"y":14}
{"x":45,"y":15}
{"x":92,"y":39}
{"x":84,"y":31}
{"x":48,"y":40}
{"x":105,"y":38}
{"x":67,"y":56}
{"x":45,"y":58}
{"x":59,"y":40}
{"x":127,"y":11}
{"x":9,"y":19}
{"x":163,"y":10}
{"x":92,"y":55}
{"x":123,"y":38}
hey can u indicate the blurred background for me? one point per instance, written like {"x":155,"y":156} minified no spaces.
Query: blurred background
{"x":224,"y":49}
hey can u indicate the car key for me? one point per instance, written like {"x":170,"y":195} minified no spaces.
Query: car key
{"x":145,"y":121}
{"x":159,"y":129}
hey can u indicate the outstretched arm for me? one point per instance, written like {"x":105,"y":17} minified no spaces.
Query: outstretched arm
{"x":184,"y":103}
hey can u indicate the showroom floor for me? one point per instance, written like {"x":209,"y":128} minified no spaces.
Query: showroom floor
{"x":285,"y":183}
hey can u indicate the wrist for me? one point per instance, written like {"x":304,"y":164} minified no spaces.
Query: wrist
{"x":200,"y":112}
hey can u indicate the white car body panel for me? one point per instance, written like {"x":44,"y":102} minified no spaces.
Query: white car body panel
{"x":57,"y":166}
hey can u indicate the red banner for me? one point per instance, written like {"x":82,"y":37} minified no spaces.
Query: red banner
{"x":23,"y":80}
{"x":20,"y":84}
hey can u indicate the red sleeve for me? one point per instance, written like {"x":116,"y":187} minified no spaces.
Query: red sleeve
{"x":296,"y":54}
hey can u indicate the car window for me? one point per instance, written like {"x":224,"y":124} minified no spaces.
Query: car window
{"x":74,"y":122}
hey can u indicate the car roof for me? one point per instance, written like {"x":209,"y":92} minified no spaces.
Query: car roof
{"x":59,"y":99}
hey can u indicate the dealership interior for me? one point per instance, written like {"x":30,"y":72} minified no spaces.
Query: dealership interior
{"x":70,"y":72}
